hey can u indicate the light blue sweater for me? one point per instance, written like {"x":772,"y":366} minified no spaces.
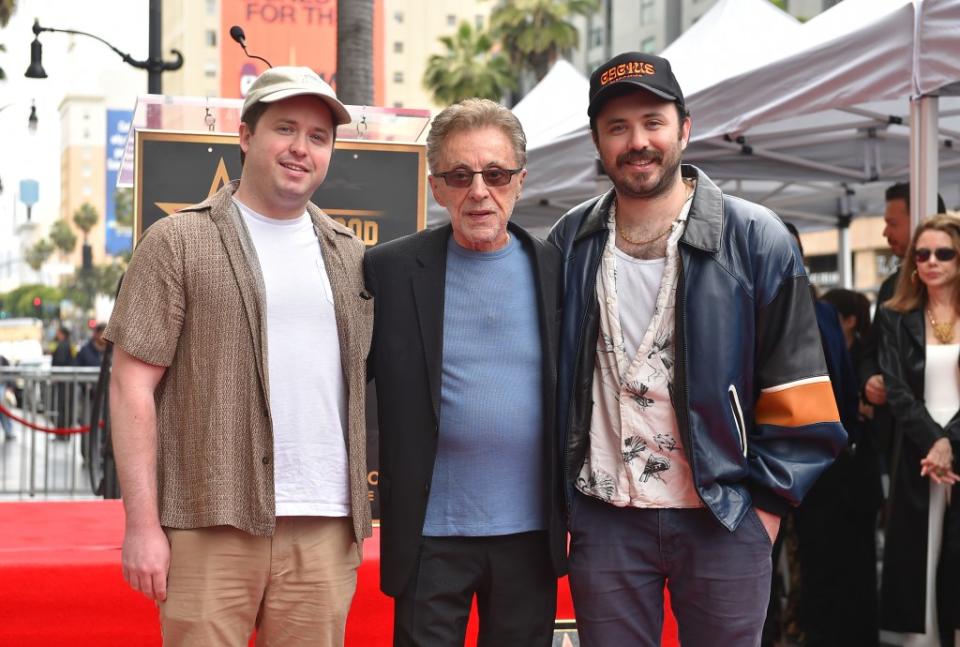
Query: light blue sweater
{"x":489,"y":474}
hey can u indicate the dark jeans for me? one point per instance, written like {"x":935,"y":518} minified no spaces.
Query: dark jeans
{"x":621,"y":559}
{"x":510,"y":575}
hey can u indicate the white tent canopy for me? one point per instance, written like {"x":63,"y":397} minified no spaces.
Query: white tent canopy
{"x":832,"y":116}
{"x":727,"y":40}
{"x":555,"y":107}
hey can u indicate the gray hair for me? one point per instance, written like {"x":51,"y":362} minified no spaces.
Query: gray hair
{"x":472,"y":114}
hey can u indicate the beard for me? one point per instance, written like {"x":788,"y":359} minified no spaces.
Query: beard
{"x":646,"y":185}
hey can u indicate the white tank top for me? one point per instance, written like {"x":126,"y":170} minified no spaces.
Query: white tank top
{"x":941,"y":382}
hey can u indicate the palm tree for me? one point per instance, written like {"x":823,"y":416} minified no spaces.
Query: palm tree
{"x":85,"y":218}
{"x":7,"y":7}
{"x":536,"y":33}
{"x":37,"y":255}
{"x":469,"y":68}
{"x":63,"y":237}
{"x":355,"y":52}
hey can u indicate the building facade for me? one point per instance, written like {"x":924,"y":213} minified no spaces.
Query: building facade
{"x":412,"y":32}
{"x":83,"y":170}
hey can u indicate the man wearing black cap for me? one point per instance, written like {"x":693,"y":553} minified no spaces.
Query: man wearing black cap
{"x":694,"y":401}
{"x":241,"y":335}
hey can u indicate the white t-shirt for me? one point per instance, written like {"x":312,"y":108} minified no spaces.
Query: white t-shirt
{"x":307,"y":395}
{"x":640,"y":279}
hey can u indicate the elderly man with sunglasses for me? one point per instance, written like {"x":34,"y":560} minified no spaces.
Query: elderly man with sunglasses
{"x":464,"y":358}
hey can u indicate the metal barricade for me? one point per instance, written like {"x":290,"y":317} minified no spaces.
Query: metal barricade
{"x":47,"y":453}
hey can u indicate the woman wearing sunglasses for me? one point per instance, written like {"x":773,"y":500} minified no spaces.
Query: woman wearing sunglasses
{"x":919,"y":351}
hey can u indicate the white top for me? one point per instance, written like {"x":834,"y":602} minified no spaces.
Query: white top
{"x":941,"y":382}
{"x":307,"y":395}
{"x":640,"y":279}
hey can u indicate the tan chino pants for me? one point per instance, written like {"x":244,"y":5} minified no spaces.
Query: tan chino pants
{"x":295,"y":587}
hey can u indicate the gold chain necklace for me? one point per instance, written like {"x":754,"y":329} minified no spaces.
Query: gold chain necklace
{"x":942,"y":331}
{"x":688,"y":190}
{"x":624,"y":236}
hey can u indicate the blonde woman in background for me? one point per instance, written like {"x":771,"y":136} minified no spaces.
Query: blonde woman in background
{"x":919,"y":350}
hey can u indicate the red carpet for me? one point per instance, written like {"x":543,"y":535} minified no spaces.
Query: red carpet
{"x":60,"y":583}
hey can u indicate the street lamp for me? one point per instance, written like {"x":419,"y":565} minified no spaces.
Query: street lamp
{"x":154,"y":64}
{"x":32,"y":120}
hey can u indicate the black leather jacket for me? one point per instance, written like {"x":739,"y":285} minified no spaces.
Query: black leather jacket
{"x":903,"y":359}
{"x":751,"y":394}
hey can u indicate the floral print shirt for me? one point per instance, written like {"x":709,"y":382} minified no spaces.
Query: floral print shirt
{"x":636,"y":455}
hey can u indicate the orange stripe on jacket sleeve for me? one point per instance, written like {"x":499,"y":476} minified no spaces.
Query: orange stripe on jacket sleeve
{"x":804,"y":404}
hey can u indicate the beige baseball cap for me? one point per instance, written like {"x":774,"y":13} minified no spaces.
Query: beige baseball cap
{"x":280,"y":83}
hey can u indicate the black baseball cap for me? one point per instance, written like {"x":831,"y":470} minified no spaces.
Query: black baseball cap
{"x":643,"y":71}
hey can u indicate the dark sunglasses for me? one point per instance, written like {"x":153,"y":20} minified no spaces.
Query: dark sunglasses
{"x":943,"y":254}
{"x":461,"y":178}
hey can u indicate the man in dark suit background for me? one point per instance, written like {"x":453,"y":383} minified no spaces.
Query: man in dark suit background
{"x":464,"y":358}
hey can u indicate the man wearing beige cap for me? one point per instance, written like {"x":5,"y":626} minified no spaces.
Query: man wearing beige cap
{"x":241,"y":335}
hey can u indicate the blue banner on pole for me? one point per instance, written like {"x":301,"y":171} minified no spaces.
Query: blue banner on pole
{"x":119,"y":232}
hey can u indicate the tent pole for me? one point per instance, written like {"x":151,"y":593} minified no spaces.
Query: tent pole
{"x":844,"y":252}
{"x":924,"y":151}
{"x":844,"y":255}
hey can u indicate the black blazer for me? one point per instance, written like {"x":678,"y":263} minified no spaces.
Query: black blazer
{"x":407,"y":279}
{"x":903,"y":362}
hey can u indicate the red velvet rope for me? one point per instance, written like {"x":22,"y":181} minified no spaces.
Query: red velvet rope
{"x":59,"y":431}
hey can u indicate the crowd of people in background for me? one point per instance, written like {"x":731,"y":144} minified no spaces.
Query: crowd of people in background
{"x":897,"y":385}
{"x":63,"y":399}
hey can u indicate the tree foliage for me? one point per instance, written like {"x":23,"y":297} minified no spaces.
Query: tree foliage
{"x":62,"y":236}
{"x":82,"y":287}
{"x":123,"y":207}
{"x":37,"y":255}
{"x":470,"y":67}
{"x":85,"y":218}
{"x":18,"y":302}
{"x":535,"y":33}
{"x":7,"y":7}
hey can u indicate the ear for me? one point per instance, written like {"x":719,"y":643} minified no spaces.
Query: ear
{"x":685,"y":128}
{"x":245,"y":134}
{"x":435,"y":189}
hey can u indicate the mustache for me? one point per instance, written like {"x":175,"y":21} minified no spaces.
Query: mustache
{"x":640,"y":156}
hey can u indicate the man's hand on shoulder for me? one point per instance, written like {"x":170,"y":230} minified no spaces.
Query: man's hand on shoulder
{"x":146,"y":561}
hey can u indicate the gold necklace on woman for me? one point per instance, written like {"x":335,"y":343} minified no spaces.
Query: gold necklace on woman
{"x":942,"y":331}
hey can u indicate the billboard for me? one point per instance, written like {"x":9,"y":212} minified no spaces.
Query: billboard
{"x":119,"y":230}
{"x":287,"y":32}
